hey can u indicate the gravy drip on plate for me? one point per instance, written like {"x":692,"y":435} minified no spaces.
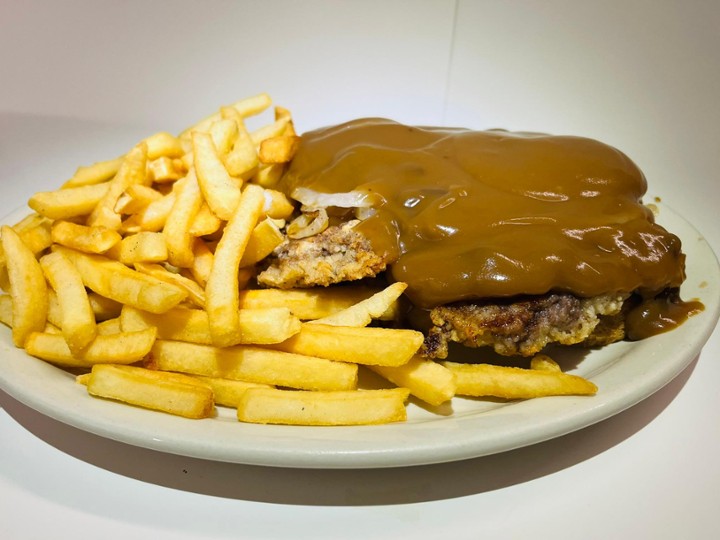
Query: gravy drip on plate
{"x":466,"y":215}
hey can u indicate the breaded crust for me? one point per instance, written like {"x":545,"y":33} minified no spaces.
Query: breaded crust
{"x":337,"y":254}
{"x":526,"y":327}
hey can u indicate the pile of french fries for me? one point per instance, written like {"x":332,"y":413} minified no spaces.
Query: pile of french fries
{"x":135,"y":274}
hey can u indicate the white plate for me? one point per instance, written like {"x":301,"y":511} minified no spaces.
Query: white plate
{"x":626,"y":373}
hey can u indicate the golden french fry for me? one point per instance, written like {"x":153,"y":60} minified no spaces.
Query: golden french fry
{"x":143,"y":247}
{"x":227,"y":392}
{"x":224,"y":132}
{"x":245,"y":107}
{"x":242,"y":160}
{"x":77,"y":320}
{"x":155,"y":215}
{"x":133,"y":170}
{"x":6,"y":310}
{"x":138,"y":386}
{"x":276,"y":129}
{"x":69,"y":202}
{"x":136,"y":198}
{"x":164,"y":169}
{"x":104,"y":308}
{"x":84,"y":238}
{"x":195,"y":292}
{"x":277,"y":205}
{"x":163,"y":144}
{"x":279,"y":149}
{"x":202,"y":262}
{"x":273,"y":406}
{"x":28,"y":288}
{"x":205,"y":222}
{"x":94,"y":174}
{"x":179,"y":241}
{"x":544,"y":363}
{"x":264,"y":239}
{"x":269,"y":175}
{"x":220,"y":190}
{"x":365,"y":345}
{"x":426,"y":379}
{"x":362,"y":313}
{"x":308,"y":304}
{"x":257,"y":326}
{"x":222,"y":288}
{"x":516,"y":383}
{"x":115,"y":348}
{"x":116,"y":281}
{"x":109,"y":326}
{"x":253,"y":364}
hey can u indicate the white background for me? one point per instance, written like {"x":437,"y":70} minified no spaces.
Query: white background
{"x":81,"y":81}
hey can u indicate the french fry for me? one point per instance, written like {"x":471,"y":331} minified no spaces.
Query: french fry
{"x":164,"y":169}
{"x":276,"y":129}
{"x":205,"y":222}
{"x":227,"y":392}
{"x":34,"y":231}
{"x":365,"y":345}
{"x":179,"y":241}
{"x":109,"y":326}
{"x":224,"y":132}
{"x":94,"y":174}
{"x":83,"y":238}
{"x":116,"y":281}
{"x":362,"y":313}
{"x":163,"y":144}
{"x":202,"y":262}
{"x":242,"y":160}
{"x":425,"y":379}
{"x":253,"y":364}
{"x":246,"y":107}
{"x":155,"y":215}
{"x":28,"y":288}
{"x":273,"y":406}
{"x":70,"y":202}
{"x":277,"y":205}
{"x":104,"y":308}
{"x":117,"y":348}
{"x":77,"y":319}
{"x":136,"y":198}
{"x":221,"y":300}
{"x":516,"y":383}
{"x":220,"y":190}
{"x":307,"y":304}
{"x":143,"y":247}
{"x":264,"y":239}
{"x":279,"y":149}
{"x":257,"y":326}
{"x":138,"y":387}
{"x":133,"y":170}
{"x":6,"y":310}
{"x":195,"y":292}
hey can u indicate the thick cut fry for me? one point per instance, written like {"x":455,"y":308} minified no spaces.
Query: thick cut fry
{"x":253,"y":364}
{"x":224,"y":132}
{"x":280,"y":149}
{"x":136,"y":198}
{"x":516,"y":383}
{"x":104,"y":308}
{"x":119,"y":348}
{"x":273,"y":406}
{"x":264,"y":239}
{"x":155,"y":215}
{"x":116,"y":281}
{"x":269,"y":175}
{"x":195,"y":292}
{"x":94,"y":174}
{"x":132,"y":171}
{"x":179,"y":241}
{"x":163,"y":144}
{"x":28,"y":288}
{"x":70,"y":202}
{"x":164,"y":169}
{"x":222,"y":288}
{"x":426,"y":379}
{"x":227,"y":392}
{"x":369,"y":345}
{"x":136,"y":386}
{"x":242,"y":160}
{"x":109,"y":326}
{"x":221,"y":192}
{"x":277,"y":205}
{"x":309,"y":304}
{"x":202,"y":262}
{"x":257,"y":326}
{"x":362,"y":313}
{"x":205,"y":222}
{"x":77,"y":319}
{"x":275,"y":129}
{"x":84,"y":238}
{"x":245,"y":107}
{"x":143,"y":247}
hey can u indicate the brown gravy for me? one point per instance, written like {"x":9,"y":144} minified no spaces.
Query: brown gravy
{"x":466,"y":214}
